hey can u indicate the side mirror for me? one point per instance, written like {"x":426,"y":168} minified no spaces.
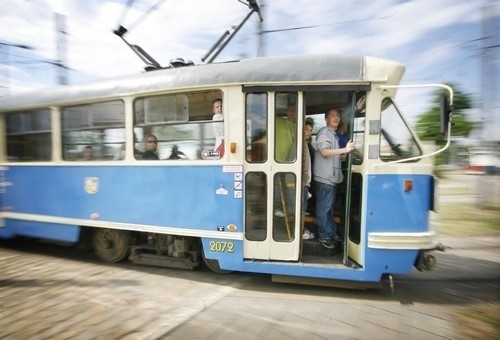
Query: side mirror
{"x":446,"y":112}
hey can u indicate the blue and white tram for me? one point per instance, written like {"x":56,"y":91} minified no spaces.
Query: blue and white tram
{"x":216,"y":206}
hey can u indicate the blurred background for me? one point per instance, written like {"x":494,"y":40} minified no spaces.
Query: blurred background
{"x":56,"y":42}
{"x":47,"y":43}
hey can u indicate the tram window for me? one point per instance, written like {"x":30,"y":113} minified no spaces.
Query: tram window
{"x":182,"y":123}
{"x":396,"y":139}
{"x":256,"y":127}
{"x":285,"y":127}
{"x":29,"y":136}
{"x":100,"y":126}
{"x":162,"y":109}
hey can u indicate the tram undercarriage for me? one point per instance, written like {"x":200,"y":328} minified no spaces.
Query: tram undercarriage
{"x":160,"y":250}
{"x":151,"y":249}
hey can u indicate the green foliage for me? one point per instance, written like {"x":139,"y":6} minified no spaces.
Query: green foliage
{"x":429,"y":127}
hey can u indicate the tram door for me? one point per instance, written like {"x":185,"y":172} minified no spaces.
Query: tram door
{"x":273,"y":175}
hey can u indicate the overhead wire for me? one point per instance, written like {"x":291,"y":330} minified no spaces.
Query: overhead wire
{"x":321,"y":25}
{"x":124,"y":14}
{"x":148,"y":12}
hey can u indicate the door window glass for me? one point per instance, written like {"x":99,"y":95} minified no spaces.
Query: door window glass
{"x":285,"y":147}
{"x":284,"y":206}
{"x":256,"y":206}
{"x":256,"y":127}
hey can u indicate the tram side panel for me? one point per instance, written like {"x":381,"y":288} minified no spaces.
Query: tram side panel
{"x":197,"y":199}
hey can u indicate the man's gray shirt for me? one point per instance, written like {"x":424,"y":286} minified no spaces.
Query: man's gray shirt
{"x":327,"y":170}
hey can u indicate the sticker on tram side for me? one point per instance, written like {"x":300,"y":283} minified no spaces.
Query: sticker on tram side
{"x":221,"y":190}
{"x":205,"y":154}
{"x":4,"y":183}
{"x":232,"y":168}
{"x":230,"y":227}
{"x":91,"y":185}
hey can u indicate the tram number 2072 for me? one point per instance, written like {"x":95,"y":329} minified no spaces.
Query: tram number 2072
{"x":221,"y":246}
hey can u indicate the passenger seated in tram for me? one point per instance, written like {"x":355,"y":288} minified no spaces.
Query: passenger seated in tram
{"x":150,"y":148}
{"x":88,"y":153}
{"x":176,"y":153}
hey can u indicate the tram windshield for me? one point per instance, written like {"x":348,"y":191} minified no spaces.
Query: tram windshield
{"x":396,"y":140}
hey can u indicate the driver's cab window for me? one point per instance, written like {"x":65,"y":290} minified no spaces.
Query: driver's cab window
{"x":396,"y":139}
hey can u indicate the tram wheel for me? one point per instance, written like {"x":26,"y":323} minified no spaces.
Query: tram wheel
{"x":111,"y":245}
{"x":213,"y":265}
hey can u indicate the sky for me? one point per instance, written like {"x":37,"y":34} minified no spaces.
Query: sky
{"x":437,"y":41}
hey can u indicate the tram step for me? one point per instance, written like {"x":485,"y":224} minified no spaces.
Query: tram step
{"x":314,"y":248}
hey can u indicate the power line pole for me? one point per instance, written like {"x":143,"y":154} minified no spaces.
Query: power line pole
{"x":261,"y":44}
{"x":61,"y":48}
{"x":490,"y":67}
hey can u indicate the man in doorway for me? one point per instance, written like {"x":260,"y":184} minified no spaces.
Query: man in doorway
{"x":327,"y":174}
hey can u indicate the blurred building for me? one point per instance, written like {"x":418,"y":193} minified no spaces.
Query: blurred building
{"x":490,"y":76}
{"x":486,"y":159}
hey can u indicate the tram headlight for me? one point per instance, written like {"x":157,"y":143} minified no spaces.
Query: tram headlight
{"x":408,"y":184}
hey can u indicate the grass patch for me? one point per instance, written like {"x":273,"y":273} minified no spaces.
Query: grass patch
{"x":454,"y":191}
{"x":478,"y":322}
{"x":467,"y":220}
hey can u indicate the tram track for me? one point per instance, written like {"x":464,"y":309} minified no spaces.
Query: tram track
{"x":443,"y":276}
{"x":77,"y":285}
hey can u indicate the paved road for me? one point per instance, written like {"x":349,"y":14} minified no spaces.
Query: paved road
{"x":53,"y":292}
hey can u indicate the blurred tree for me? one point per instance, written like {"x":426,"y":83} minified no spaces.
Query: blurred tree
{"x":428,"y":124}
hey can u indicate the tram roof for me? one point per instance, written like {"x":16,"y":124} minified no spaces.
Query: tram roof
{"x":265,"y":71}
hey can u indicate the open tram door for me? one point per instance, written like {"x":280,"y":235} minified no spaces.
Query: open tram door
{"x":273,"y":173}
{"x":350,"y":101}
{"x":273,"y":170}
